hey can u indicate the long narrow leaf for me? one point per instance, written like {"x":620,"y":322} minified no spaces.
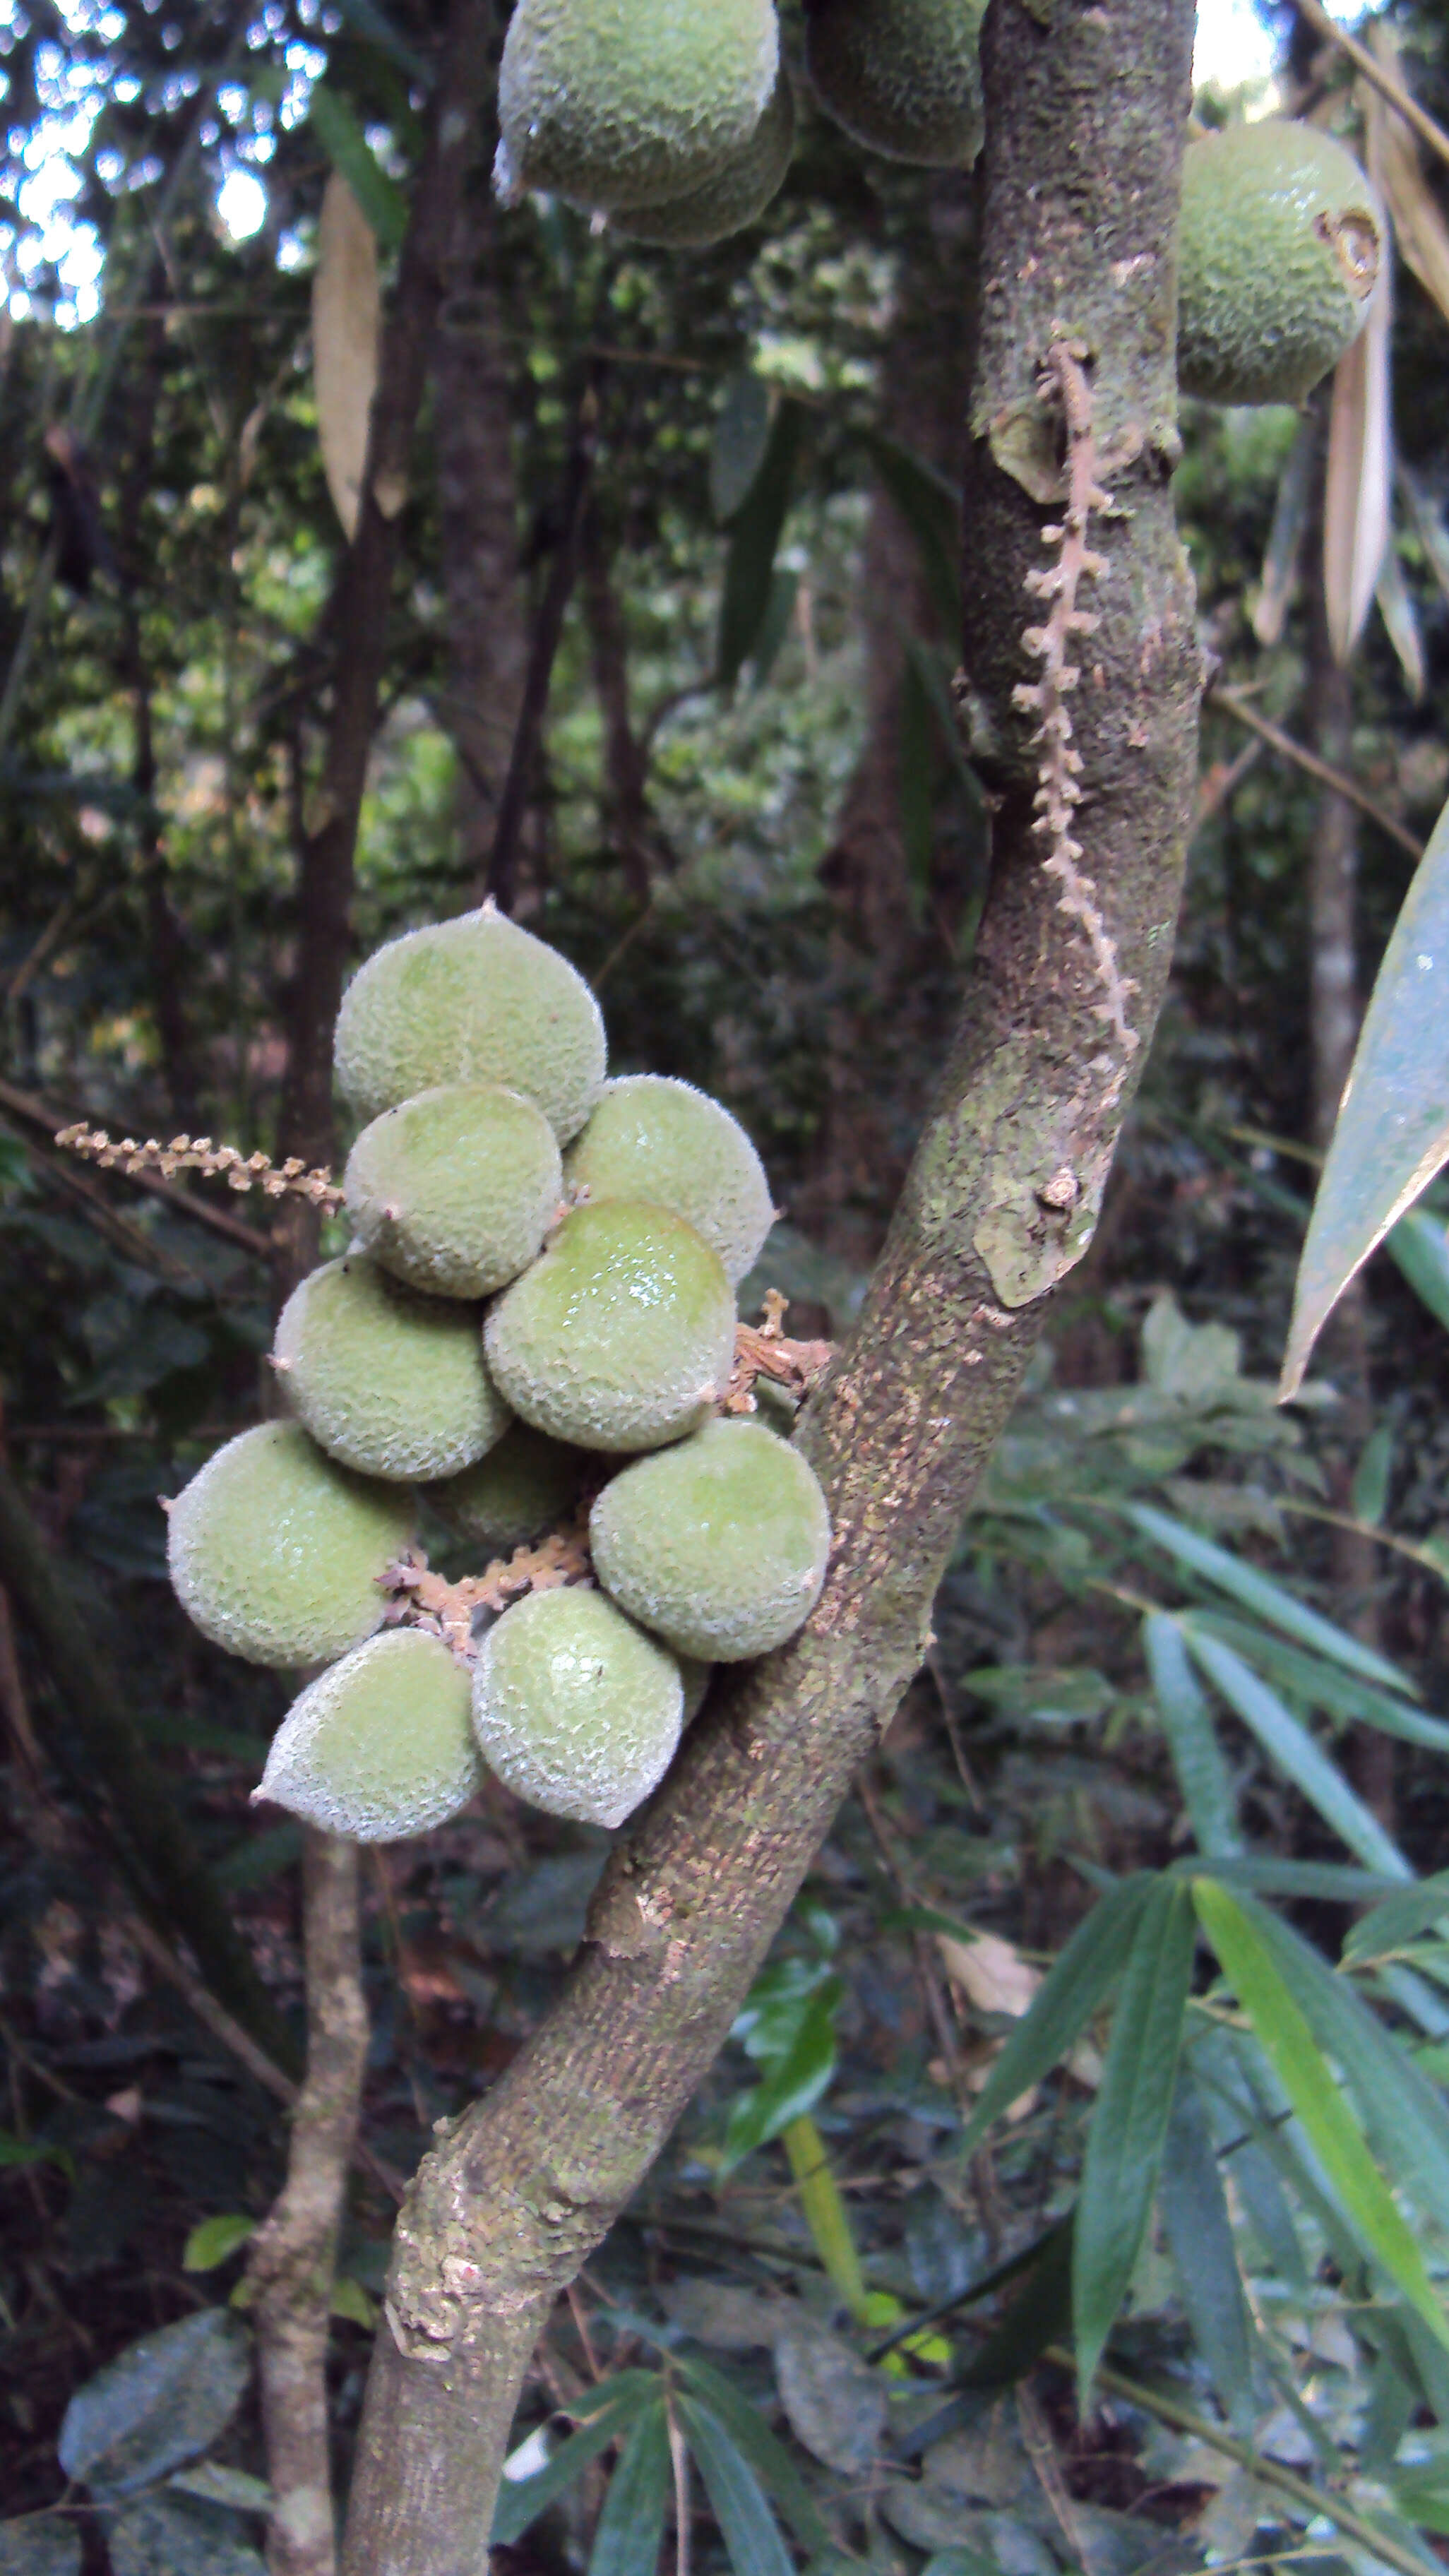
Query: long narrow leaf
{"x":1419,"y":1247}
{"x":755,"y":533}
{"x":748,"y":2529}
{"x":619,"y":2401}
{"x":1078,"y":1983}
{"x":1324,"y":1686}
{"x":1268,"y":1600}
{"x":1129,"y":2118}
{"x":931,"y":509}
{"x":1301,"y":2069}
{"x":1200,"y":2239}
{"x":751,"y":2434}
{"x":1293,"y":1749}
{"x":1187,"y":1723}
{"x":631,"y":2526}
{"x":1358,"y":474}
{"x":1400,"y":1919}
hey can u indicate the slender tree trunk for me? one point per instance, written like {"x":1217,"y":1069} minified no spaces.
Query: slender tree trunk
{"x":625,"y":764}
{"x":1086,"y":110}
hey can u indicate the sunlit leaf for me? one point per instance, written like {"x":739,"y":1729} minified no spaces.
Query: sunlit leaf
{"x":631,"y":2526}
{"x":1187,"y":1723}
{"x":1268,"y":1600}
{"x":1080,"y":1980}
{"x":748,"y":2529}
{"x":1289,"y":1744}
{"x":214,"y":2240}
{"x":1393,"y":1127}
{"x":798,"y":2075}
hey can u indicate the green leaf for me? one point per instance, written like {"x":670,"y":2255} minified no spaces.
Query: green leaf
{"x":1369,"y":1494}
{"x":775,"y":626}
{"x":349,"y":2299}
{"x":768,"y":2457}
{"x":611,"y":2412}
{"x":1040,"y":2312}
{"x":38,"y":2545}
{"x":1293,"y":1749}
{"x":15,"y":2152}
{"x":1187,"y":1723}
{"x":1419,"y":1245}
{"x":798,"y":2077}
{"x":1266,"y":1599}
{"x":930,"y":507}
{"x":1323,"y":1686}
{"x":368,"y":20}
{"x":1400,"y":1919}
{"x":350,"y":153}
{"x":1079,"y":1981}
{"x":1129,"y":2118}
{"x":741,"y":436}
{"x":1199,"y":2236}
{"x":748,"y":2529}
{"x":755,"y":532}
{"x":631,"y":2526}
{"x":1337,"y":1881}
{"x":1302,"y":2070}
{"x":160,"y":2402}
{"x":214,"y":2240}
{"x":1393,"y":1127}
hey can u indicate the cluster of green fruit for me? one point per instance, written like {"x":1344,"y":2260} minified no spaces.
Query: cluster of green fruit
{"x":511,"y":1322}
{"x":678,"y":123}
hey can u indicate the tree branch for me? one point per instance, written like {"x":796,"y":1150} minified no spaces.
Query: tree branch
{"x":1085,"y":119}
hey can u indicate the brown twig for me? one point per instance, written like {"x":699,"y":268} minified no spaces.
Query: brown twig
{"x":34,"y":1115}
{"x":1406,"y":105}
{"x":1309,"y":762}
{"x":422,"y":1599}
{"x":762,"y":1350}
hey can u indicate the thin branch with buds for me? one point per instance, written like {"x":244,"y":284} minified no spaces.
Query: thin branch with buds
{"x":198,"y":1154}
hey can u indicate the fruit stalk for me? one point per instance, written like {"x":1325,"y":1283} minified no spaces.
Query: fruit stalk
{"x":1085,"y":113}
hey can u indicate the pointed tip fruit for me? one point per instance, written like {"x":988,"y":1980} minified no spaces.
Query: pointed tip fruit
{"x":381,"y":1745}
{"x":619,"y":1336}
{"x":607,"y":106}
{"x":902,"y":76}
{"x":719,"y":1545}
{"x":453,"y":1190}
{"x":574,"y":1708}
{"x":472,"y":1000}
{"x":1280,"y":246}
{"x":278,"y":1554}
{"x":661,"y":1141}
{"x":387,"y":1381}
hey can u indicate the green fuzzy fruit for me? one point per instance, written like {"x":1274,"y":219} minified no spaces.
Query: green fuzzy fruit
{"x":524,"y":1486}
{"x":277,"y":1554}
{"x":388,"y":1381}
{"x":453,"y":1191}
{"x":733,"y":197}
{"x":380,"y":1745}
{"x":472,"y":1000}
{"x":621,"y":1336}
{"x":1279,"y":249}
{"x":655,"y":1139}
{"x":902,"y":76}
{"x":719,"y":1546}
{"x":612,"y":106}
{"x":575,"y":1708}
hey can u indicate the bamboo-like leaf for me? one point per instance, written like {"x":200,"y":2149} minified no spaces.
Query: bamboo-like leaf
{"x":1419,"y":228}
{"x":611,"y":2412}
{"x":631,"y":2526}
{"x":1293,"y":1749}
{"x":1285,"y":537}
{"x":1393,"y":1127}
{"x":1368,"y":1497}
{"x":1428,"y":522}
{"x":748,"y":2529}
{"x":1266,"y":1599}
{"x":1187,"y":1723}
{"x":1324,"y":1686}
{"x":1419,"y":1246}
{"x":751,"y":2434}
{"x":1200,"y":2239}
{"x":1082,"y":1977}
{"x":1288,"y":2042}
{"x":1358,"y":474}
{"x":1401,"y":622}
{"x":1400,"y":1919}
{"x":741,"y":436}
{"x":352,"y":156}
{"x":1130,"y":2116}
{"x":346,"y":319}
{"x":755,"y":531}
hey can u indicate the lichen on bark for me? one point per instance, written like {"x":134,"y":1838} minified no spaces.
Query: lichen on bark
{"x":1086,"y":109}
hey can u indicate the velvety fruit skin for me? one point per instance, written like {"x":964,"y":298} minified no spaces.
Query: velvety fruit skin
{"x":902,"y":76}
{"x":381,"y":1744}
{"x":574,"y":1707}
{"x":1280,"y":244}
{"x":621,"y":1336}
{"x":733,"y":197}
{"x":277,"y":1554}
{"x":656,"y":1139}
{"x":472,"y":1000}
{"x":613,"y":103}
{"x":719,"y":1545}
{"x":386,"y":1380}
{"x":524,"y":1486}
{"x":452,"y":1191}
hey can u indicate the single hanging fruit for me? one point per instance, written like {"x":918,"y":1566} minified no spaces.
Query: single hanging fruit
{"x":574,"y":1707}
{"x":734,"y":196}
{"x":381,"y":1745}
{"x":472,"y":1000}
{"x":1280,"y":246}
{"x":656,"y":1139}
{"x":524,"y":1486}
{"x":279,"y":1555}
{"x":453,"y":1190}
{"x":621,"y":1336}
{"x":612,"y":106}
{"x":718,"y":1545}
{"x":902,"y":76}
{"x":386,"y":1380}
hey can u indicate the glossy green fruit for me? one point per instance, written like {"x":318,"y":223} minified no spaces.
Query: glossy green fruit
{"x":902,"y":76}
{"x":719,"y":1545}
{"x":472,"y":1000}
{"x":621,"y":1336}
{"x":279,"y":1555}
{"x":388,"y":1381}
{"x":608,"y":105}
{"x":655,"y":1139}
{"x":733,"y":197}
{"x":452,"y":1191}
{"x":574,"y":1707}
{"x":525,"y":1486}
{"x":381,"y":1744}
{"x":1280,"y":246}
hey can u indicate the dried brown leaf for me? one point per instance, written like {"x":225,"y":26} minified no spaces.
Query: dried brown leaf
{"x":346,"y":320}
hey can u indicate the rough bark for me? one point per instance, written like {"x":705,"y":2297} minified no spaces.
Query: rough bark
{"x":626,"y":764}
{"x":292,"y":2258}
{"x":1085,"y":114}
